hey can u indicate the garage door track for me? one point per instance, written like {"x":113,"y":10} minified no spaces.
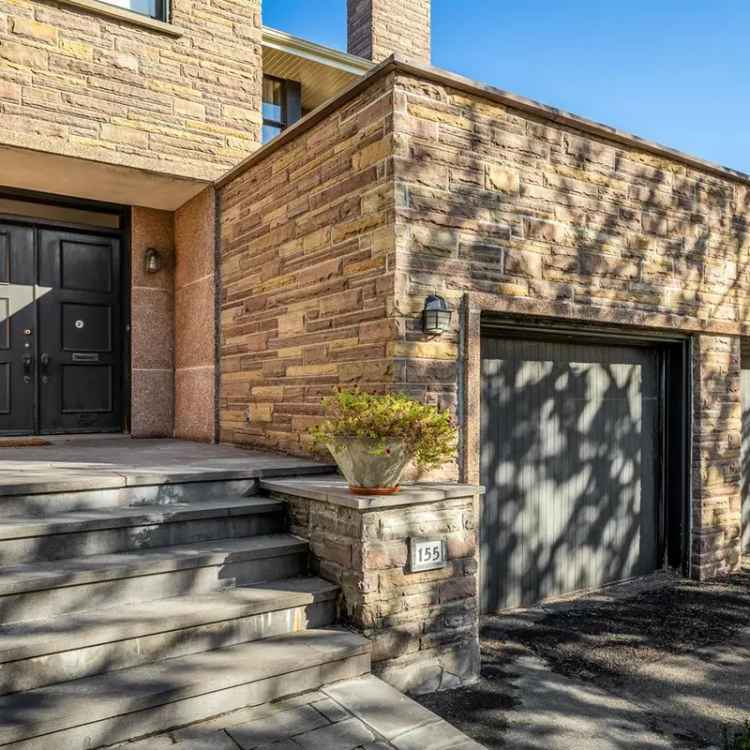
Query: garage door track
{"x":660,"y":663}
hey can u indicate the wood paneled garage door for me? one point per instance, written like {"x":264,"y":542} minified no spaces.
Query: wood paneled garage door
{"x":570,"y":447}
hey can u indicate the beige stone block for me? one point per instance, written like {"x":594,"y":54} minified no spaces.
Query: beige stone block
{"x":10,"y":91}
{"x":502,"y":179}
{"x":425,"y":349}
{"x":189,"y":108}
{"x":21,"y":54}
{"x":260,"y":413}
{"x":128,"y":136}
{"x":40,"y":32}
{"x":76,"y":48}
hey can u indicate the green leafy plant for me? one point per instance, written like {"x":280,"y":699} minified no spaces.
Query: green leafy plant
{"x":739,"y":740}
{"x":427,"y":433}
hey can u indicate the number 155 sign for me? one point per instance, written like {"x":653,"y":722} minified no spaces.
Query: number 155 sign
{"x":427,"y":554}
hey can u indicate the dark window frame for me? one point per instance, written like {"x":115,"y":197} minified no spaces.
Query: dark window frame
{"x":291,"y":103}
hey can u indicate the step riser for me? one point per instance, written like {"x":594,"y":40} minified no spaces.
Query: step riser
{"x":34,"y":605}
{"x":28,"y":674}
{"x":55,"y":502}
{"x":127,"y":539}
{"x":133,"y":722}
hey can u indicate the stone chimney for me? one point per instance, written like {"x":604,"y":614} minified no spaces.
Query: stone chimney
{"x":378,"y":28}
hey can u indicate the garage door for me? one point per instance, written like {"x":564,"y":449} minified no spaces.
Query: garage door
{"x":569,"y":449}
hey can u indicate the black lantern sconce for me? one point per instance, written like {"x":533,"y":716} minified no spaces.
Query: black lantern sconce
{"x":152,"y":261}
{"x":436,"y":316}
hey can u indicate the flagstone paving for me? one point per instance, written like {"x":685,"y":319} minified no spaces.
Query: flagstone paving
{"x":360,"y":714}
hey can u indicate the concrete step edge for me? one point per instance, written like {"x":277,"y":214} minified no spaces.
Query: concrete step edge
{"x":32,"y":639}
{"x":42,"y":576}
{"x":20,"y":527}
{"x":90,"y":701}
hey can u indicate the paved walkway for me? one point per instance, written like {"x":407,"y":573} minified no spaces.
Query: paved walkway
{"x":360,"y":714}
{"x":106,"y":462}
{"x":657,"y":664}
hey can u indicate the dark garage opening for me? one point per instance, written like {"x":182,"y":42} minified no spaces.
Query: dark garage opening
{"x":584,"y":445}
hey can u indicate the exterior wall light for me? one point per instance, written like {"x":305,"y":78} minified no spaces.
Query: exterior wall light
{"x":436,"y":316}
{"x":152,"y":260}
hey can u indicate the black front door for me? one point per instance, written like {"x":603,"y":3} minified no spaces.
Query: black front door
{"x":17,"y":344}
{"x":64,"y":354}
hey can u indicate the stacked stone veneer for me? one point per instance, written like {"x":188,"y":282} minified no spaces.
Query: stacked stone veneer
{"x":307,"y":274}
{"x":422,"y":183}
{"x":378,"y":28}
{"x":79,"y":83}
{"x":423,"y":626}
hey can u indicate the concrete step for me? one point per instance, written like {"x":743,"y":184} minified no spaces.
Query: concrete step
{"x":31,"y":591}
{"x":98,"y":711}
{"x":121,"y":529}
{"x":44,"y":652}
{"x":92,"y":493}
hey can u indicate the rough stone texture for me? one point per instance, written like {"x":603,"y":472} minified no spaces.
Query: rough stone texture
{"x":76,"y":83}
{"x":423,"y":626}
{"x":500,"y":210}
{"x":531,"y":218}
{"x":378,"y":28}
{"x":717,"y":437}
{"x":195,"y":318}
{"x":307,"y":264}
{"x":152,"y":326}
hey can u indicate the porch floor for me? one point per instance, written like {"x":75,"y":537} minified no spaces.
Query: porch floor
{"x":104,"y":462}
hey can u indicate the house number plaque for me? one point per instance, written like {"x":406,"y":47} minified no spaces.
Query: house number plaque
{"x":427,"y":554}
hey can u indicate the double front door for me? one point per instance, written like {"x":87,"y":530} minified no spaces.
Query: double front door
{"x":60,"y":331}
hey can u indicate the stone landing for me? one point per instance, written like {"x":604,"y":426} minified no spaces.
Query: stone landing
{"x":364,"y":713}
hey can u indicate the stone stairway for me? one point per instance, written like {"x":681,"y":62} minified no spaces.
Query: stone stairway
{"x":131,"y":611}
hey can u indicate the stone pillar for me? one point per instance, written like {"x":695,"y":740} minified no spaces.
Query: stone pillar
{"x":717,"y":435}
{"x":423,"y":626}
{"x":152,"y":326}
{"x":195,"y":318}
{"x":378,"y":28}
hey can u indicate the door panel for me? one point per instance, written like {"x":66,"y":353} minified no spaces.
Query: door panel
{"x":17,"y":324}
{"x":79,"y":333}
{"x":569,"y":442}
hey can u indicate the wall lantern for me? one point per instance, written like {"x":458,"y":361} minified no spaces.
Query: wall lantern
{"x":152,"y":260}
{"x":436,"y":316}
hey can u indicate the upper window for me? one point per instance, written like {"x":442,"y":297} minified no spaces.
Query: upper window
{"x":274,"y":109}
{"x":281,"y":105}
{"x":153,"y":8}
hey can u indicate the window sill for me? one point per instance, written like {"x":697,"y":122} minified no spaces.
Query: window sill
{"x":121,"y":14}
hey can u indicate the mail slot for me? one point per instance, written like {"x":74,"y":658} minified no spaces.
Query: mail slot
{"x":85,"y":357}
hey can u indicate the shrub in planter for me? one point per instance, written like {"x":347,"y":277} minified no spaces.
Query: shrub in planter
{"x":374,"y":437}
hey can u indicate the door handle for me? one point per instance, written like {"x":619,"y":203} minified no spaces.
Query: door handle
{"x":28,"y":364}
{"x":44,"y":365}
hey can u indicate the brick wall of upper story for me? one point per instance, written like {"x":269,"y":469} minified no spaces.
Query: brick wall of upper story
{"x":378,"y":28}
{"x":307,"y":263}
{"x":79,"y":83}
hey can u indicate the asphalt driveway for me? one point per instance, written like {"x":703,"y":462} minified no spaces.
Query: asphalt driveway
{"x":661,"y":663}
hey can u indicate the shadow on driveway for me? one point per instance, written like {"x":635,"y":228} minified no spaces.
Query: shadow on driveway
{"x":660,"y":663}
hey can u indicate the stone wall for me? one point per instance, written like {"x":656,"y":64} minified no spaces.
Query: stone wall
{"x":307,"y":264}
{"x":502,"y":207}
{"x":195,"y":318}
{"x":524,"y":216}
{"x":79,"y":83}
{"x":423,"y":626}
{"x":717,"y":440}
{"x":378,"y":28}
{"x":152,"y":326}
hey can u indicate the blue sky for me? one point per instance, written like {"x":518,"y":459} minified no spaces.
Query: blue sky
{"x":673,"y":71}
